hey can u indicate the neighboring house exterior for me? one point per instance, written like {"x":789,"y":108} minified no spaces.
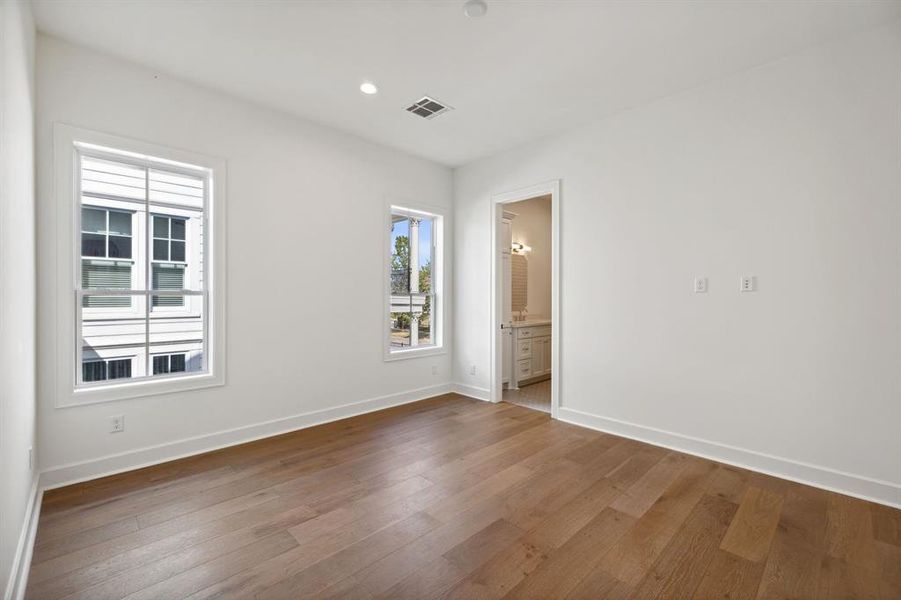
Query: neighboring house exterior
{"x":141,"y":229}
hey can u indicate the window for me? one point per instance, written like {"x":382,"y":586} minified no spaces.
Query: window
{"x":169,"y":363}
{"x":140,"y":268}
{"x":141,"y":232}
{"x":168,"y":258}
{"x":106,"y":252}
{"x":102,"y":370}
{"x":414,"y":313}
{"x":105,"y":233}
{"x":168,"y":239}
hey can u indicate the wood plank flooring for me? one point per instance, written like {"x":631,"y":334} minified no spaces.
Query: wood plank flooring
{"x":455,"y":498}
{"x":536,"y":396}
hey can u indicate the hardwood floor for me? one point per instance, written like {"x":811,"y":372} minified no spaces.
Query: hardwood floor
{"x":536,"y":396}
{"x":455,"y":498}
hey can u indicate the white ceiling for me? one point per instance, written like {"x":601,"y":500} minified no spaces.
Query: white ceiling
{"x":526,"y":70}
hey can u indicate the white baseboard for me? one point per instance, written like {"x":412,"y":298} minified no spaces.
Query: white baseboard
{"x":68,"y":474}
{"x":18,"y":576}
{"x":874,"y":490}
{"x":472,"y":391}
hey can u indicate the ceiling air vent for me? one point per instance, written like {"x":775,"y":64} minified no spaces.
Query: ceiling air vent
{"x":428,"y":108}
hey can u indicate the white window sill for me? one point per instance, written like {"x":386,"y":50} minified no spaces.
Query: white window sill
{"x":413,"y":353}
{"x":139,"y":389}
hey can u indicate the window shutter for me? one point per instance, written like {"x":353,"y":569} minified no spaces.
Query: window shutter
{"x":105,"y":275}
{"x":168,"y":277}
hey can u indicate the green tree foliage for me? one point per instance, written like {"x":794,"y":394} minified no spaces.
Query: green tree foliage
{"x":400,"y":263}
{"x":400,"y":260}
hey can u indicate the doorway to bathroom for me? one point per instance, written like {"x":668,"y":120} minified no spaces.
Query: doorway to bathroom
{"x":525,"y":345}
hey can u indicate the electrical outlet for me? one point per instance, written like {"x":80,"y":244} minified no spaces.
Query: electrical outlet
{"x":700,"y":285}
{"x":434,"y":369}
{"x":748,"y":283}
{"x":472,"y":369}
{"x":117,"y":424}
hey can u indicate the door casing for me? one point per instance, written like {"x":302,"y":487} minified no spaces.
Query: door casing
{"x":498,"y":201}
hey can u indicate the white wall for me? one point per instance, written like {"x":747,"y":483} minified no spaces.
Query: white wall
{"x":305,"y":282}
{"x":790,"y":172}
{"x":17,"y":279}
{"x":532,"y":227}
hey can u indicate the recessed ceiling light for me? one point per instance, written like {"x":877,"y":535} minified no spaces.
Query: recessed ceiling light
{"x":475,"y":8}
{"x":368,"y":88}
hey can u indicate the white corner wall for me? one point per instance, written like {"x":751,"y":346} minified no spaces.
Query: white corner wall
{"x":790,"y":172}
{"x":305,"y":280}
{"x":17,"y":293}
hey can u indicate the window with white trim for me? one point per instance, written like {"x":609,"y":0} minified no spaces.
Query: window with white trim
{"x":140,"y":224}
{"x":104,"y":370}
{"x":415,"y":299}
{"x":106,"y":253}
{"x":169,"y":363}
{"x":168,"y":264}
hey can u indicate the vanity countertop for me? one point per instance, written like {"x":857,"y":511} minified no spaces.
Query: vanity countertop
{"x":531,"y":323}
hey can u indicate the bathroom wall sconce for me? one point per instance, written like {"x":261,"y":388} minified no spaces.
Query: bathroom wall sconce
{"x":520,"y":248}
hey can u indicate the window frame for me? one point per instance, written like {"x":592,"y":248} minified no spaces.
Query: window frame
{"x":439,"y":314}
{"x":69,"y":143}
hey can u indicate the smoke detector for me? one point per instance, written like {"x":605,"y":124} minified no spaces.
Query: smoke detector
{"x":428,"y":108}
{"x":475,"y":8}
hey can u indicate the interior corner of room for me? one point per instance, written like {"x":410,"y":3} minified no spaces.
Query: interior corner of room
{"x":421,"y":299}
